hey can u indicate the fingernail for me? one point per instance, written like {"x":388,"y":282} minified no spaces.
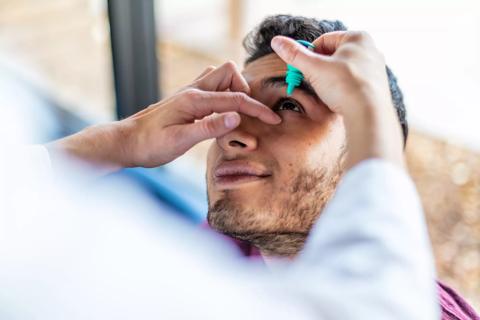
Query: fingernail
{"x":231,"y":120}
{"x":276,"y":44}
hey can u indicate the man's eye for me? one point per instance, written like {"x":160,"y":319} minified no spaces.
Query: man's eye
{"x":288,"y":104}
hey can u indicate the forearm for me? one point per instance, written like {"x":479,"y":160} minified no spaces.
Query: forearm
{"x":101,"y":148}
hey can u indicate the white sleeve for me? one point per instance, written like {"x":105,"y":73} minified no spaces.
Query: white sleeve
{"x":369,"y":255}
{"x":103,"y":253}
{"x":24,"y":167}
{"x":36,"y":159}
{"x":33,"y":159}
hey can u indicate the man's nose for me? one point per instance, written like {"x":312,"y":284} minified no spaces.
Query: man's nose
{"x":238,"y":140}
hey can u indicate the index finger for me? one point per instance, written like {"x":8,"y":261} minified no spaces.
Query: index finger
{"x":222,"y":78}
{"x":203,"y":103}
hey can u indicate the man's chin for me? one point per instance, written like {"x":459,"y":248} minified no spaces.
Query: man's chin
{"x":263,"y":227}
{"x":234,"y":213}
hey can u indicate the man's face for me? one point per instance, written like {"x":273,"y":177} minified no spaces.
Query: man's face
{"x":268,"y":183}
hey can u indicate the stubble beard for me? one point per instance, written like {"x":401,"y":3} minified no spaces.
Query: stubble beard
{"x":281,"y":226}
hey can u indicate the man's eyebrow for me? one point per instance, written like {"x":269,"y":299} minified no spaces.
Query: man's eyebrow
{"x":279,"y":81}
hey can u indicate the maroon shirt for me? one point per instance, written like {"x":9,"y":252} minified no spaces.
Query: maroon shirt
{"x":454,"y":307}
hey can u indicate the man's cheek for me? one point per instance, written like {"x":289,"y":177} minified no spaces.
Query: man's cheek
{"x":291,"y":158}
{"x":326,"y":144}
{"x":324,"y":154}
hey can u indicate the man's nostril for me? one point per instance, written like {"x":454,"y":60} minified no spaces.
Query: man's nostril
{"x":236,"y":143}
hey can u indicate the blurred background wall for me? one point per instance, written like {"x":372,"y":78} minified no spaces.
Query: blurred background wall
{"x":63,"y":49}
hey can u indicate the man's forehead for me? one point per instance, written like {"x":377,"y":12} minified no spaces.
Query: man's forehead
{"x":270,"y":70}
{"x":266,"y":66}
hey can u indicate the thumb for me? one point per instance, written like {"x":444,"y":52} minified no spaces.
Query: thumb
{"x":295,"y":54}
{"x":211,"y":127}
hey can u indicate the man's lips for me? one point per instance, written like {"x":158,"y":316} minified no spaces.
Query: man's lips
{"x":235,"y":172}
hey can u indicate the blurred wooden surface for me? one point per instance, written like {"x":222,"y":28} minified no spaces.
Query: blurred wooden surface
{"x":448,"y":180}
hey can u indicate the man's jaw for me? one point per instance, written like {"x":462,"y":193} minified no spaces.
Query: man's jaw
{"x":230,"y":217}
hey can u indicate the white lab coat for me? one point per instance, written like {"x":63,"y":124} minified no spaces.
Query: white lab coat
{"x":67,"y":252}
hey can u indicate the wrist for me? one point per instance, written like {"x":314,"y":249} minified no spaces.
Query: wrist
{"x":100,"y":147}
{"x":374,"y":132}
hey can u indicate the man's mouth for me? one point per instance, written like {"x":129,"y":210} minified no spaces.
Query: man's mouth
{"x":230,"y":174}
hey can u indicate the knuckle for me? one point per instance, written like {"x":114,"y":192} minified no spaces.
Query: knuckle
{"x":209,"y":127}
{"x":191,"y":94}
{"x":192,"y":85}
{"x":366,"y":36}
{"x":210,"y":68}
{"x":195,"y":84}
{"x":361,"y":37}
{"x":348,"y":51}
{"x":356,"y":36}
{"x":231,"y":65}
{"x":177,"y":137}
{"x":239,"y":98}
{"x":346,"y":69}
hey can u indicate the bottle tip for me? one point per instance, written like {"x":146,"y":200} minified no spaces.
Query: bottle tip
{"x":290,"y":88}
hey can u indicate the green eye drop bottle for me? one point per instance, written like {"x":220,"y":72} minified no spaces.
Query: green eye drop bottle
{"x":294,"y":77}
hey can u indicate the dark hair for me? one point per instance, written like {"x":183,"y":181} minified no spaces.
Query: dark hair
{"x":257,"y":45}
